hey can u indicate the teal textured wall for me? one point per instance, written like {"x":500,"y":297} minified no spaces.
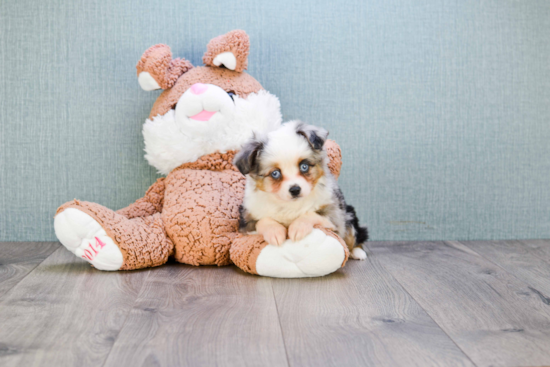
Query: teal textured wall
{"x":442,"y":108}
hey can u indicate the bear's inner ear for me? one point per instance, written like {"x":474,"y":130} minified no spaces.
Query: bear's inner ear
{"x":147,"y":82}
{"x":229,"y":50}
{"x":226,"y":59}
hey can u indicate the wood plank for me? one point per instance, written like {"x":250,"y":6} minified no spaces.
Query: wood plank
{"x":65,"y":313}
{"x":359,"y":316}
{"x":529,"y":260}
{"x":17,"y":259}
{"x":495,"y":318}
{"x":201,"y":316}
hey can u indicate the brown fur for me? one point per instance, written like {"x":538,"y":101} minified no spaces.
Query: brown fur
{"x":274,"y":185}
{"x":313,"y":175}
{"x":260,"y":183}
{"x":267,"y":183}
{"x":349,"y":238}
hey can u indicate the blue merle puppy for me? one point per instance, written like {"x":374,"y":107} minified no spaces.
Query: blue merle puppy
{"x":289,"y":188}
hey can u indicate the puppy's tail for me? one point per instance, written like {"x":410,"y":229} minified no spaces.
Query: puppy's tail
{"x":361,"y":233}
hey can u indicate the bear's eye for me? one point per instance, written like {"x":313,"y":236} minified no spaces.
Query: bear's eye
{"x":232,"y":95}
{"x":276,"y":174}
{"x":304,"y":167}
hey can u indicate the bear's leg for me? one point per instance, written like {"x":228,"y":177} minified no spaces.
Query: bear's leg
{"x":320,"y":253}
{"x":110,"y":241}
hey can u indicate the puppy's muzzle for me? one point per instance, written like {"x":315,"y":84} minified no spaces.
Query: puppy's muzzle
{"x":295,"y":190}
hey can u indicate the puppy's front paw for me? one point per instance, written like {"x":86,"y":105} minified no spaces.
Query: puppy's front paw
{"x":275,"y":235}
{"x":299,"y":229}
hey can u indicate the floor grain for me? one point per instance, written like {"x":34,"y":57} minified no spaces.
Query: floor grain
{"x":17,"y":259}
{"x":359,"y":316}
{"x":496,"y":319}
{"x":65,"y":313}
{"x":201,"y":316}
{"x":529,"y":260}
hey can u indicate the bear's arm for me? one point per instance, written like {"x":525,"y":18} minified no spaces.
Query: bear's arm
{"x":335,"y":157}
{"x":150,"y":204}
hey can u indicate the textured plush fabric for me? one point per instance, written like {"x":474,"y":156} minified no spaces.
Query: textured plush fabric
{"x":335,"y":157}
{"x":245,"y":251}
{"x":441,"y":109}
{"x":236,"y":42}
{"x":157,"y":61}
{"x":201,"y":210}
{"x":149,"y":204}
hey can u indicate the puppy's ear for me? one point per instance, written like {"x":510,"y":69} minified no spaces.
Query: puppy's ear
{"x":247,"y":159}
{"x":315,"y":136}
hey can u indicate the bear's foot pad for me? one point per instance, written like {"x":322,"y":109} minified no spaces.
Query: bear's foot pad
{"x":84,"y":237}
{"x":316,"y":255}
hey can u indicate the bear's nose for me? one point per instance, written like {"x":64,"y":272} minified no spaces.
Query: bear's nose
{"x":295,"y":190}
{"x":198,"y":88}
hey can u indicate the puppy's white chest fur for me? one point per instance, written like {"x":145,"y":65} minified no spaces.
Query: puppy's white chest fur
{"x":261,"y":204}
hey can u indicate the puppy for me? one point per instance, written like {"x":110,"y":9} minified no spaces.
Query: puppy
{"x":290,"y":186}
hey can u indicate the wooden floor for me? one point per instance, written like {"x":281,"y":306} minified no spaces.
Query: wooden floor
{"x":409,"y":304}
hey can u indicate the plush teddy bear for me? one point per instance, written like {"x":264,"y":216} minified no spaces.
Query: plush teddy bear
{"x":197,"y":124}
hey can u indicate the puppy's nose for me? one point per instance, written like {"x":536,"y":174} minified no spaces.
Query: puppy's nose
{"x":295,"y":190}
{"x":198,"y":88}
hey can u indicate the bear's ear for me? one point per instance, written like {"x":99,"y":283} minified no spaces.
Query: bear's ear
{"x":230,"y":50}
{"x":157,"y":70}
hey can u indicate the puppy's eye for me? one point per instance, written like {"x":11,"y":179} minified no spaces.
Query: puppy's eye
{"x":276,"y":174}
{"x":304,"y":167}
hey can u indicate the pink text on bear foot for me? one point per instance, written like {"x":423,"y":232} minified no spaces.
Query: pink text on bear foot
{"x":92,"y":250}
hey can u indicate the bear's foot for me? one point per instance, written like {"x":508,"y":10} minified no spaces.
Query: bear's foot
{"x":315,"y":255}
{"x":319,"y":253}
{"x":84,"y":237}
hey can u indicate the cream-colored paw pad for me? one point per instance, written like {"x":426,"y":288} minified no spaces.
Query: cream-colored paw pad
{"x":84,"y":237}
{"x":315,"y":255}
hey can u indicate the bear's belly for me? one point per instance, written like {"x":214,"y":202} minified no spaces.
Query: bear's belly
{"x":201,"y":214}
